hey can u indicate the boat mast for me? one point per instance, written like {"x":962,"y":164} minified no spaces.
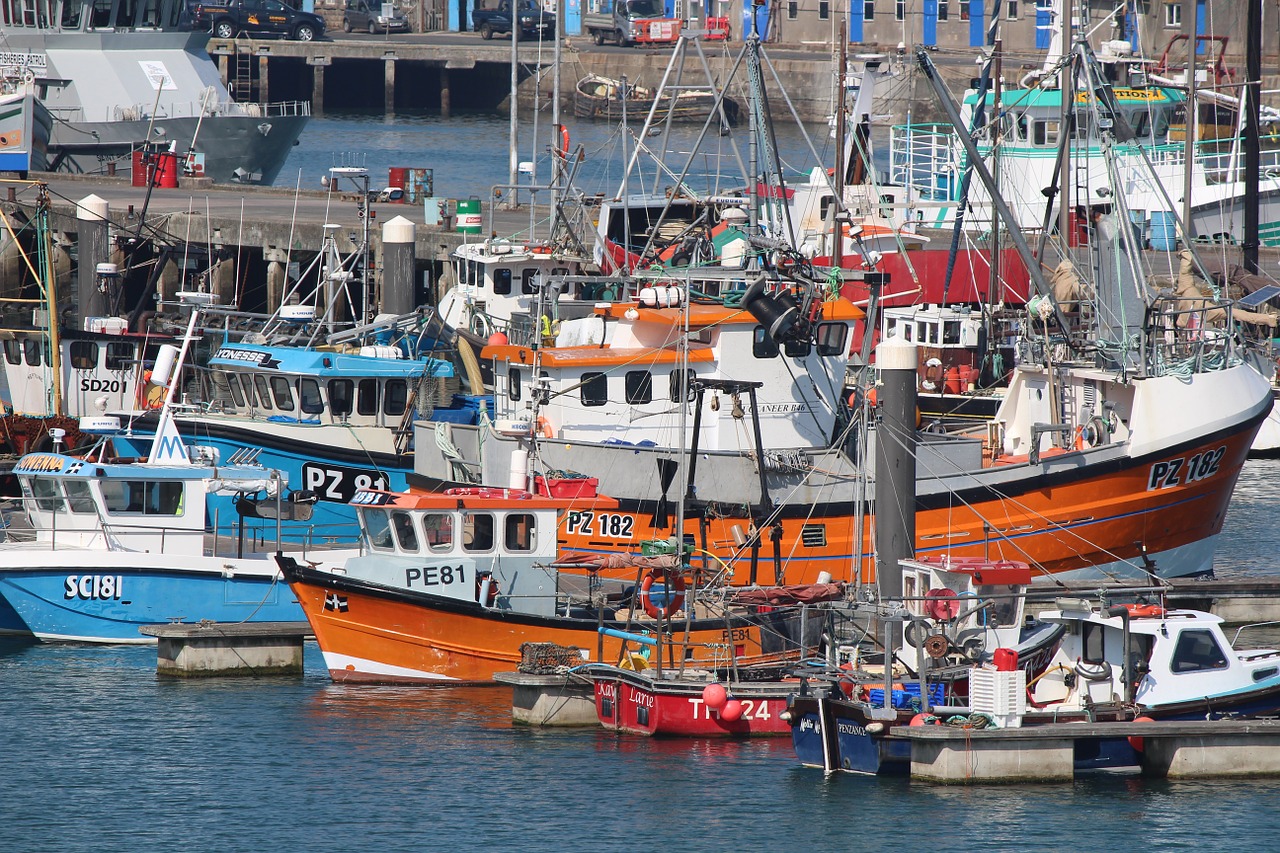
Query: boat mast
{"x":1192,"y":111}
{"x":1252,"y":152}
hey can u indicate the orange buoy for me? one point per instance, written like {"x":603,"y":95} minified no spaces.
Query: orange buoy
{"x":1139,"y":743}
{"x":498,"y":339}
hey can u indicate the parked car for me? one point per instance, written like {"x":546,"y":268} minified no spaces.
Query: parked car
{"x":257,"y":18}
{"x":492,"y":17}
{"x":368,"y":15}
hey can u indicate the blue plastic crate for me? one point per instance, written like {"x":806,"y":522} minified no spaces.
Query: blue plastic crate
{"x":908,"y":696}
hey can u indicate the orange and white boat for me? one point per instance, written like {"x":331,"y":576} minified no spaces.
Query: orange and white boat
{"x":1085,"y":467}
{"x":449,"y":587}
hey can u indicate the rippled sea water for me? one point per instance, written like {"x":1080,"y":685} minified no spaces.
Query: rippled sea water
{"x":101,"y":755}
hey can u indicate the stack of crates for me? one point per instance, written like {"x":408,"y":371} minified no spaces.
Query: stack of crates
{"x":1000,"y":695}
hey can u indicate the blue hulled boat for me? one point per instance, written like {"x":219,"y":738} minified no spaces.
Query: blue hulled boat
{"x":103,"y":546}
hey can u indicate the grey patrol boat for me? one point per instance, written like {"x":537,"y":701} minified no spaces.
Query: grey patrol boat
{"x":117,"y":73}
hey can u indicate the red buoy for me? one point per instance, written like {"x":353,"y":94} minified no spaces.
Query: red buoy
{"x":732,"y":711}
{"x":715,"y":696}
{"x":498,"y":339}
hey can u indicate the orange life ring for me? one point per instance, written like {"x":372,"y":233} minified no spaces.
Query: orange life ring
{"x":1144,"y":611}
{"x":941,"y":604}
{"x":675,"y":601}
{"x":150,"y":395}
{"x":564,"y":141}
{"x":544,"y":427}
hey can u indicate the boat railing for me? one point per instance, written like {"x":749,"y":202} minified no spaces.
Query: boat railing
{"x":1189,"y":335}
{"x":926,"y":158}
{"x":193,"y":109}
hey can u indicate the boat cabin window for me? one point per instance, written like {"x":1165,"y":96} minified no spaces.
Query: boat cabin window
{"x":45,"y":491}
{"x":283,"y":393}
{"x":520,"y":531}
{"x":513,"y":383}
{"x":13,"y":351}
{"x":1044,"y":132}
{"x":595,"y":389}
{"x":233,"y":387}
{"x":909,"y":592}
{"x":367,"y":397}
{"x":119,"y":356}
{"x":309,"y":397}
{"x":438,"y":527}
{"x":84,"y":355}
{"x":639,"y":385}
{"x":71,"y":14}
{"x":797,"y":349}
{"x":676,"y":383}
{"x":529,"y":281}
{"x":31,"y":351}
{"x":1092,"y":648}
{"x":142,"y":497}
{"x":763,"y":346}
{"x":246,"y":382}
{"x":264,"y":390}
{"x":79,"y":496}
{"x":376,"y":529}
{"x":477,"y":531}
{"x":502,"y":281}
{"x":340,"y":394}
{"x":925,"y":333}
{"x":1197,"y":651}
{"x":951,"y":332}
{"x":831,"y":338}
{"x":101,"y":17}
{"x":396,"y":397}
{"x":1003,"y":610}
{"x":406,"y":536}
{"x":150,"y":14}
{"x":125,"y":12}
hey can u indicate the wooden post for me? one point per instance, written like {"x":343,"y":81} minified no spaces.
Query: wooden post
{"x":445,"y":97}
{"x":262,"y":80}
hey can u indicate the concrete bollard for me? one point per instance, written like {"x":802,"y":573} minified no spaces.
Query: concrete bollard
{"x":398,"y":266}
{"x":93,"y":224}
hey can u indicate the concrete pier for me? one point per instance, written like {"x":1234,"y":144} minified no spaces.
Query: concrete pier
{"x":212,"y":649}
{"x":550,"y":700}
{"x":1044,"y":753}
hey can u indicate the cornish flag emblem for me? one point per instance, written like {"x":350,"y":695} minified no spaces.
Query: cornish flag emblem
{"x":333,"y":601}
{"x":74,"y":467}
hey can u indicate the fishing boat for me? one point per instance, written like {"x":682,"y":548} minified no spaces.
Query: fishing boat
{"x":450,"y":586}
{"x":104,"y":545}
{"x":1115,"y":663}
{"x":25,"y":126}
{"x":322,"y":396}
{"x":599,"y":97}
{"x":118,"y":76}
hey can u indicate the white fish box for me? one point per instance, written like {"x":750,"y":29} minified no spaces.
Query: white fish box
{"x":1000,"y":695}
{"x":106,"y":325}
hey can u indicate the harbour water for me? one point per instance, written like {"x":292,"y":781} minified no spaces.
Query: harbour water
{"x":469,"y":153}
{"x":104,"y":756}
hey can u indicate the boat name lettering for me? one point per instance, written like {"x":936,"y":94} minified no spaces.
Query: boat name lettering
{"x":612,"y":524}
{"x":782,"y":408}
{"x":809,"y":724}
{"x":434,"y":576}
{"x":338,"y":483}
{"x":371,"y":499}
{"x":846,"y":728}
{"x":1125,"y":94}
{"x":24,"y":60}
{"x":1175,"y":472}
{"x":736,"y":635}
{"x":752,"y":709}
{"x":39,"y":463}
{"x":108,"y":385}
{"x":93,"y":587}
{"x":608,"y":691}
{"x":242,"y":355}
{"x":641,"y":700}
